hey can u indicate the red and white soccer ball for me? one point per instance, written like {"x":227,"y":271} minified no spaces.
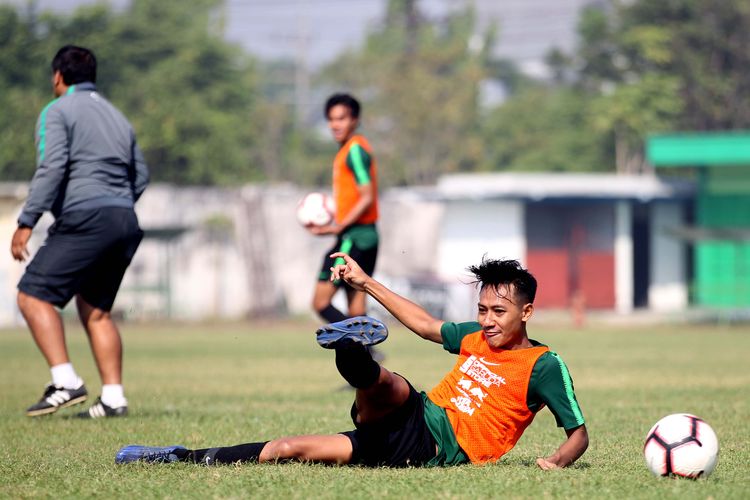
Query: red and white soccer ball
{"x":316,"y":209}
{"x":681,"y":445}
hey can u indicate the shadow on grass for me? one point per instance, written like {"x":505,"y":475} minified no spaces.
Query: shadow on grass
{"x":132,"y":415}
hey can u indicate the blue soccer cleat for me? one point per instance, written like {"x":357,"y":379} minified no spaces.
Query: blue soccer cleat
{"x":361,"y":329}
{"x":157,"y":454}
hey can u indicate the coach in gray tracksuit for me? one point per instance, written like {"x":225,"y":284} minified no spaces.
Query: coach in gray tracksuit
{"x":89,"y":174}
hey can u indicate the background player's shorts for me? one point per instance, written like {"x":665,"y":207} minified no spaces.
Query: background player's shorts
{"x":401,"y":439}
{"x":360,"y":242}
{"x":86,"y":253}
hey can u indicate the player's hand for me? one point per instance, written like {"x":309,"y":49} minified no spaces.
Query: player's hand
{"x":545,"y":464}
{"x":349,"y":271}
{"x":18,"y":244}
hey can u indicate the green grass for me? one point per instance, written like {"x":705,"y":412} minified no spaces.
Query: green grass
{"x":209,"y":385}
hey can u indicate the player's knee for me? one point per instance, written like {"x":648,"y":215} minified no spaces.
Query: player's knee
{"x":26,"y":302}
{"x":319,"y":304}
{"x":283,"y":448}
{"x":88,"y":313}
{"x":22,"y":300}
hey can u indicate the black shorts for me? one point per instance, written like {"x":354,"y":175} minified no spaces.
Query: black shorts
{"x":401,"y":439}
{"x":86,"y":253}
{"x":365,"y":257}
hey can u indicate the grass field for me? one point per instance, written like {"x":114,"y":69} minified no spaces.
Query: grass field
{"x":209,"y":385}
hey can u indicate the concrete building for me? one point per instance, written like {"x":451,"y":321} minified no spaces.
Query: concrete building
{"x":238,"y":252}
{"x":600,"y":238}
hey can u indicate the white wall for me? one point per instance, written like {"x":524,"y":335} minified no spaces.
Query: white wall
{"x":10,"y":270}
{"x":265,"y":263}
{"x":668,"y":290}
{"x":469,"y":231}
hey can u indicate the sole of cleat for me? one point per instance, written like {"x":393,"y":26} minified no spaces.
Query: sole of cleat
{"x":147,"y":454}
{"x":53,"y":409}
{"x":361,"y":329}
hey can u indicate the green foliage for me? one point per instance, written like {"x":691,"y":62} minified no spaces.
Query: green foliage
{"x":224,"y":384}
{"x":191,"y":96}
{"x":207,"y":113}
{"x":709,"y":43}
{"x":656,"y":66}
{"x":545,"y":129}
{"x":419,"y":83}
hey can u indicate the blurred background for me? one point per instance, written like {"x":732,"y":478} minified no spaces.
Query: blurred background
{"x":605,"y":144}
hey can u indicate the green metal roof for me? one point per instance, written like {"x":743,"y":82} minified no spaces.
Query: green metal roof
{"x":699,"y":149}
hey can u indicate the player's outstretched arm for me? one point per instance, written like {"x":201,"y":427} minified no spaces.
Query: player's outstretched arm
{"x":414,"y":317}
{"x":570,"y":451}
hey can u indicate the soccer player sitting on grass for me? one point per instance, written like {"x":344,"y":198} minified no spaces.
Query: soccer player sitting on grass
{"x":476,"y":414}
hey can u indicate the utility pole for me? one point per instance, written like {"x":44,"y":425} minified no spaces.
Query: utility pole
{"x":301,"y":70}
{"x":411,"y":18}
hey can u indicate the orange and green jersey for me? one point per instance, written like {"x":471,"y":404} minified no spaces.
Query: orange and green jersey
{"x":354,"y":166}
{"x":483,"y":405}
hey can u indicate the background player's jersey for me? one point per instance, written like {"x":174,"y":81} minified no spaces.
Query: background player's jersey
{"x":354,"y":166}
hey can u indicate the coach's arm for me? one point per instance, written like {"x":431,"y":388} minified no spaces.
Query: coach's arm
{"x":414,"y":317}
{"x":570,"y":451}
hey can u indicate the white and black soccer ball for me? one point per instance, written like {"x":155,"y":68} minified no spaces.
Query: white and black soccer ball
{"x":681,"y":445}
{"x":316,"y":209}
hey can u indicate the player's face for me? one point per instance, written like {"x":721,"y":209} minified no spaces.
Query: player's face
{"x":341,"y":123}
{"x":503,"y":317}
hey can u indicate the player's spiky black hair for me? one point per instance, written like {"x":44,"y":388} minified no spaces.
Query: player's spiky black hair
{"x":344,"y":99}
{"x":496,"y":272}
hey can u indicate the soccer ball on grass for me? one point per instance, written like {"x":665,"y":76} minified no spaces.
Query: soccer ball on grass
{"x":681,"y":445}
{"x":316,"y":209}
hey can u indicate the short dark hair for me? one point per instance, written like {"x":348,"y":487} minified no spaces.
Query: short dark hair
{"x":506,"y":272}
{"x":75,"y":64}
{"x":344,"y":99}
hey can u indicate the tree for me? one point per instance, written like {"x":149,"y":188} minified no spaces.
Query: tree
{"x":191,"y":96}
{"x":657,"y":66}
{"x":706,"y":45}
{"x":419,"y":82}
{"x":544,"y":128}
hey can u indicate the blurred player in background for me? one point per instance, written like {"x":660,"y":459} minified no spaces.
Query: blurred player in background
{"x":89,"y":174}
{"x":477,"y":413}
{"x":355,"y":191}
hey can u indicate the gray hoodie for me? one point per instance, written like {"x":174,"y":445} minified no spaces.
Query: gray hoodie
{"x":87,"y":157}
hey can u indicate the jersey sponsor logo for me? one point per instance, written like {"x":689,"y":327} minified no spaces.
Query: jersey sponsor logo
{"x":470,"y":395}
{"x":488,"y":363}
{"x":478,"y":371}
{"x":463,"y":404}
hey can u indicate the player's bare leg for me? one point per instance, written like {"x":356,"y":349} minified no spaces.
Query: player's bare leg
{"x":331,"y":449}
{"x":46,"y":327}
{"x":106,"y":345}
{"x":105,"y":341}
{"x":387,"y":394}
{"x":321,"y":304}
{"x":379,"y":391}
{"x":66,"y":388}
{"x":357,"y":302}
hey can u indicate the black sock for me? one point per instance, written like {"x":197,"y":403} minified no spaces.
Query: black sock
{"x":331,"y":314}
{"x":228,"y":454}
{"x":356,"y":365}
